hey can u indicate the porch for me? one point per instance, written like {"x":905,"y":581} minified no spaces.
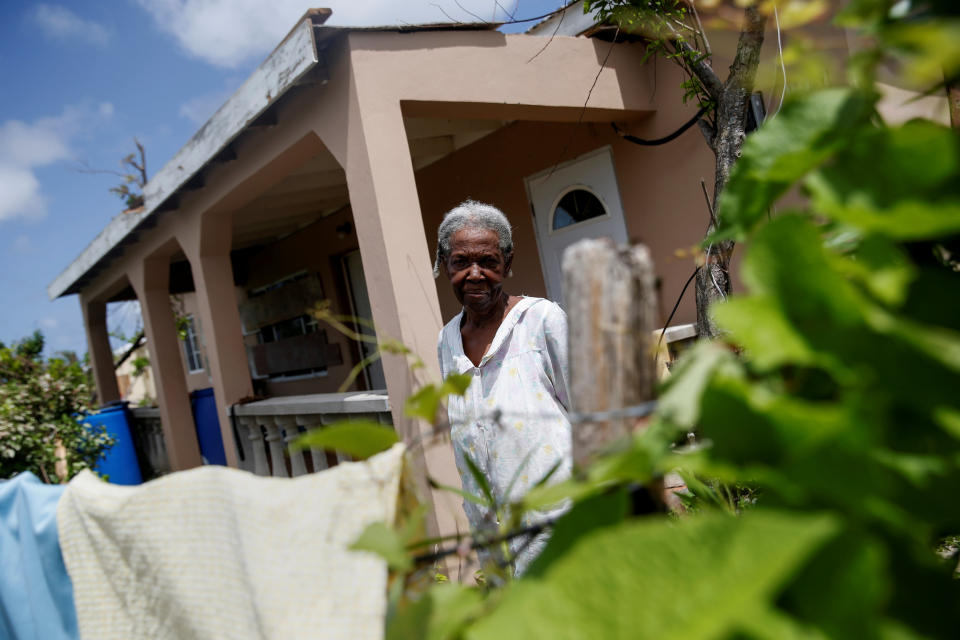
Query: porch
{"x":324,"y":178}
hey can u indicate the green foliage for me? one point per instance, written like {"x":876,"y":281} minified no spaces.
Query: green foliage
{"x":380,"y":539}
{"x":358,"y":438}
{"x":134,"y":175}
{"x":715,"y":576}
{"x":425,"y":402}
{"x":140,"y":365}
{"x":40,"y":401}
{"x":829,"y":405}
{"x":671,"y":30}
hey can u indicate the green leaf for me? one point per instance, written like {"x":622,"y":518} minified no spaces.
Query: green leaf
{"x":547,"y":497}
{"x":425,"y":402}
{"x":760,"y":326}
{"x":882,"y":267}
{"x":807,"y":131}
{"x":680,"y":400}
{"x":591,"y":514}
{"x":481,"y":479}
{"x":358,"y":438}
{"x":463,"y":494}
{"x":456,"y":384}
{"x":847,"y":575}
{"x":440,"y":614}
{"x":900,"y":182}
{"x":380,"y":539}
{"x":703,"y":577}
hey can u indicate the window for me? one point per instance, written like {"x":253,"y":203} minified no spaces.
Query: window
{"x":299,"y":326}
{"x":576,"y":206}
{"x":191,"y":347}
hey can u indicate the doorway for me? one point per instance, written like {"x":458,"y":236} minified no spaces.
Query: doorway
{"x":575,"y":200}
{"x":360,"y":303}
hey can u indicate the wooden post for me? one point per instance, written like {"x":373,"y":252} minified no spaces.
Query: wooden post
{"x":611,"y":305}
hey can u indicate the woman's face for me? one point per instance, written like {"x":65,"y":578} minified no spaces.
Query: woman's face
{"x":476,"y":268}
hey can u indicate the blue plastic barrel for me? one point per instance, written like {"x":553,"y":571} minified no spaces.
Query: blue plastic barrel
{"x":119,"y":463}
{"x":208,"y":426}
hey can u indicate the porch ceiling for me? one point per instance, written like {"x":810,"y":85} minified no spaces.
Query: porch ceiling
{"x":319,"y":187}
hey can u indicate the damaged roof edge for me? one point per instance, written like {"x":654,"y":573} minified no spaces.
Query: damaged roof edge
{"x":571,"y":21}
{"x":282,"y":69}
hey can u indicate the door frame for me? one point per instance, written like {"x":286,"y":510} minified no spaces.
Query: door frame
{"x":605,"y":149}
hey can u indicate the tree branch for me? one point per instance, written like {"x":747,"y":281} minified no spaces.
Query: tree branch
{"x":743,"y":71}
{"x":709,"y":133}
{"x":702,"y":70}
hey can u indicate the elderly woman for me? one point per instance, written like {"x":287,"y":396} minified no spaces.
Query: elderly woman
{"x":512,"y":421}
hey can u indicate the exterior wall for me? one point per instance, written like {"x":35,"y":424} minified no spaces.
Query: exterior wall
{"x":659,"y":187}
{"x":318,"y":249}
{"x":136,"y":389}
{"x":200,"y":379}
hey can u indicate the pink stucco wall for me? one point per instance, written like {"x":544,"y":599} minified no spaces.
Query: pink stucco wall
{"x":659,"y":187}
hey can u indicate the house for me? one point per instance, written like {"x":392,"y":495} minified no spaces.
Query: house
{"x":325,"y":176}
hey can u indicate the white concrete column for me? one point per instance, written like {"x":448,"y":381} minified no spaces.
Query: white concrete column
{"x":151,"y":282}
{"x":98,"y":345}
{"x":207,"y":246}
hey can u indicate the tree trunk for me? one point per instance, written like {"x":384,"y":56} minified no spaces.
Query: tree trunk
{"x":953,"y":98}
{"x":713,"y":278}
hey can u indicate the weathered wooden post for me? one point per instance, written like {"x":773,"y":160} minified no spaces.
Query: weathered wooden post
{"x":611,"y":307}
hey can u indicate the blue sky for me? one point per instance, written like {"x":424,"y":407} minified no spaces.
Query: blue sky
{"x":82,"y":79}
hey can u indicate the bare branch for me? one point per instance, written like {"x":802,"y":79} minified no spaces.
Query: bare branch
{"x":142,"y":166}
{"x":563,"y":14}
{"x":502,"y":8}
{"x":603,"y":66}
{"x":84,"y":167}
{"x":444,"y":12}
{"x":465,"y":10}
{"x":700,"y":31}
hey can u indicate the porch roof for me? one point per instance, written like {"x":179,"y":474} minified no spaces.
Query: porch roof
{"x":297,"y":60}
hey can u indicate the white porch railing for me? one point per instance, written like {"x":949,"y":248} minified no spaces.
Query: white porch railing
{"x":148,"y":441}
{"x":267,"y":427}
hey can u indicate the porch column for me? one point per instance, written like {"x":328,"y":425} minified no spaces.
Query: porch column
{"x":207,"y":246}
{"x":151,"y":282}
{"x":399,"y":274}
{"x":98,"y":345}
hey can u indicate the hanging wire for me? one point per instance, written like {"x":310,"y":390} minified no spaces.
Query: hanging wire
{"x":783,"y":66}
{"x":673,"y":136}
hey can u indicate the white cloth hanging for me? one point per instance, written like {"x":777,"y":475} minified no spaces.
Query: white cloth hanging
{"x":220,"y":553}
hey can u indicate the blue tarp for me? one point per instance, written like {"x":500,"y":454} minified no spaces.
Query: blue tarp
{"x":36,"y":595}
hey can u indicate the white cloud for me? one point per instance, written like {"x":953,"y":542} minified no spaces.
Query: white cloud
{"x":49,"y":322}
{"x":25,"y":147}
{"x":230,"y":33}
{"x":60,"y":23}
{"x":20,"y":194}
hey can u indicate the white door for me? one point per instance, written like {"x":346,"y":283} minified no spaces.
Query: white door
{"x":578,"y":199}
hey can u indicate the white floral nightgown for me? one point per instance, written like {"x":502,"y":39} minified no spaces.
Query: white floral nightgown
{"x":512,"y":421}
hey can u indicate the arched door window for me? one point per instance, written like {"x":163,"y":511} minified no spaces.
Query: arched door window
{"x":576,"y":206}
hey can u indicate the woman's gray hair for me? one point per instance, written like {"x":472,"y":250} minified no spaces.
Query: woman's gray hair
{"x":471,"y":214}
